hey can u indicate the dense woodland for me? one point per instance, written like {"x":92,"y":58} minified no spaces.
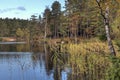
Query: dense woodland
{"x":80,"y":18}
{"x":93,"y":24}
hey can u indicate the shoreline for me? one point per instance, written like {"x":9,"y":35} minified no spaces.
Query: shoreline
{"x":13,"y":42}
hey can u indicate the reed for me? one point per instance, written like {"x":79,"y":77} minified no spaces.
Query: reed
{"x":89,"y":60}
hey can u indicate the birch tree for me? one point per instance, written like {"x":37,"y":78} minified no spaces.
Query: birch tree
{"x":105,"y":15}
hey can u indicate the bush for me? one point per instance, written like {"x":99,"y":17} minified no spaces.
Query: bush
{"x":102,"y":37}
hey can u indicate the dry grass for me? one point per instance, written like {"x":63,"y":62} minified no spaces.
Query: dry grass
{"x":88,"y":57}
{"x":90,"y":47}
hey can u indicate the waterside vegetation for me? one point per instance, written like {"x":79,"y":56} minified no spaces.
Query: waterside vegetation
{"x":85,"y":37}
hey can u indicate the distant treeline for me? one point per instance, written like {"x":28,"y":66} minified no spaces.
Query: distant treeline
{"x":80,"y":18}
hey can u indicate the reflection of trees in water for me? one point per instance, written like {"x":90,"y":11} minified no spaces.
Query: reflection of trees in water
{"x":15,"y":47}
{"x":48,"y":61}
{"x":39,"y":58}
{"x":13,"y":58}
{"x":36,"y":57}
{"x":7,"y":47}
{"x":16,"y":61}
{"x":23,"y":64}
{"x":46,"y":56}
{"x":23,"y":47}
{"x":19,"y":48}
{"x":41,"y":55}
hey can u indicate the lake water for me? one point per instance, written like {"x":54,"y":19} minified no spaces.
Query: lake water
{"x":21,"y":62}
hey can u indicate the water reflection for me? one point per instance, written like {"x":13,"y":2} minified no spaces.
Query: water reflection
{"x":19,"y":62}
{"x":14,"y":47}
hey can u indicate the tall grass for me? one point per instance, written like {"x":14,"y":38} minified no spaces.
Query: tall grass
{"x":89,"y":60}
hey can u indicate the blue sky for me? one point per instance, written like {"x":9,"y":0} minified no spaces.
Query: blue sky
{"x":23,"y":9}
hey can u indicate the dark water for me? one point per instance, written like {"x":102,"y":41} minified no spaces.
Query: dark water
{"x":20,"y":62}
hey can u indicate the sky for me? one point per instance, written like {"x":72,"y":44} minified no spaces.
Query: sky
{"x":23,"y":9}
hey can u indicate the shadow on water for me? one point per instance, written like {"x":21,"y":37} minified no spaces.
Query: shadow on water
{"x":19,"y":62}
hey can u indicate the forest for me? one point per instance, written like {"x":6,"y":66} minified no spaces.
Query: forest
{"x":79,"y":18}
{"x":89,"y":30}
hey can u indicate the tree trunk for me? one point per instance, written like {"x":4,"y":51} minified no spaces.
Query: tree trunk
{"x":45,"y":34}
{"x":107,"y":29}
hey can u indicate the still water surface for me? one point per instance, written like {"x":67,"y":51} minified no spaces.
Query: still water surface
{"x":19,"y":62}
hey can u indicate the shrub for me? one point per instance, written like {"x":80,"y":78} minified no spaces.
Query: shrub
{"x":102,"y":37}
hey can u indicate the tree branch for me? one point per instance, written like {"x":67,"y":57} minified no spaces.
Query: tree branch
{"x":101,"y":10}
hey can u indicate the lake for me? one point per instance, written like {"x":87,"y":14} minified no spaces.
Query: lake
{"x":18,"y":61}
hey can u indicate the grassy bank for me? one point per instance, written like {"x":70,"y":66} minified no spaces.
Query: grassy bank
{"x":89,"y":60}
